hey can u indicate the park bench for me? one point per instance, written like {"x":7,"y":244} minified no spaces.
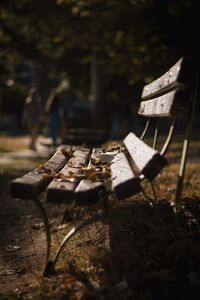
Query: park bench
{"x":80,"y":176}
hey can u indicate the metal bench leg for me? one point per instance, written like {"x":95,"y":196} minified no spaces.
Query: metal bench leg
{"x":46,"y":226}
{"x":186,"y":143}
{"x":50,"y":266}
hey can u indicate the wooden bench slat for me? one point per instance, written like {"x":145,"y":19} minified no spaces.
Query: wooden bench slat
{"x":89,"y":192}
{"x":123,"y":180}
{"x":177,"y":76}
{"x":31,"y":184}
{"x":147,"y":160}
{"x":172,"y":104}
{"x":61,"y":191}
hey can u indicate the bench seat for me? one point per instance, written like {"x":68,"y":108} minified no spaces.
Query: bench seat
{"x":75,"y":179}
{"x":34,"y":182}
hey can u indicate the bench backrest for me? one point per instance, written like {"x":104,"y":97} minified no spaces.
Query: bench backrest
{"x":171,"y":96}
{"x":168,"y":95}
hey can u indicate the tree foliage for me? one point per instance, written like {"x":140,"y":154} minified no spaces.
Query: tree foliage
{"x":134,"y":40}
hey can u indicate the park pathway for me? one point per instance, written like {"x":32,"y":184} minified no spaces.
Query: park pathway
{"x":14,"y":152}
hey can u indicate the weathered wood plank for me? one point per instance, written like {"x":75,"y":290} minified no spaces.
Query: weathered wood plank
{"x":89,"y":192}
{"x":172,"y":104}
{"x":177,"y":76}
{"x":61,"y":189}
{"x":123,"y":180}
{"x":147,"y":160}
{"x":31,"y":184}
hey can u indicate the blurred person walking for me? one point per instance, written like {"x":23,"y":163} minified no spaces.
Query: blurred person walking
{"x":32,"y":116}
{"x":55,"y":112}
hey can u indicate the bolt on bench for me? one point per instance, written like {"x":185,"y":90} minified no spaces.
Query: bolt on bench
{"x":82,"y":177}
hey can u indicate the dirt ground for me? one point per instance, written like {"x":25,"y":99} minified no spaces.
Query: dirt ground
{"x":18,"y":255}
{"x":23,"y":246}
{"x":145,"y":251}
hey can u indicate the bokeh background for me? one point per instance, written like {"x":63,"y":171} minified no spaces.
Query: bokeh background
{"x":100,"y":52}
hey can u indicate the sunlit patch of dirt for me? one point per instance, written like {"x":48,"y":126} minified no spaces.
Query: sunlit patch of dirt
{"x":13,"y":143}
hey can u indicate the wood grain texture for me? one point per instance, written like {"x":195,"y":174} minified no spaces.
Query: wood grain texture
{"x":33,"y":183}
{"x":89,"y":192}
{"x":147,"y":160}
{"x":177,"y":77}
{"x":172,"y":104}
{"x":61,"y":190}
{"x":124,"y":182}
